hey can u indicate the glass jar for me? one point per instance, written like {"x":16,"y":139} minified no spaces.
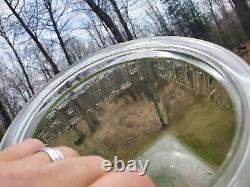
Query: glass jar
{"x":181,"y":103}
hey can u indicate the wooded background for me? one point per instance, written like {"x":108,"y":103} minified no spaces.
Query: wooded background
{"x":40,"y":38}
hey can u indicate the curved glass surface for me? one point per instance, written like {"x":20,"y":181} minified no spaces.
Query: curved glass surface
{"x":181,"y":103}
{"x":163,"y":110}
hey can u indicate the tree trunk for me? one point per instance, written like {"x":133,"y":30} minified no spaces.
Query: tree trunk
{"x":99,"y":34}
{"x":231,"y":4}
{"x":58,"y":34}
{"x":149,"y":83}
{"x":159,"y":20}
{"x":181,"y":26}
{"x":222,"y":38}
{"x":128,"y":18}
{"x":21,"y":65}
{"x":231,"y":23}
{"x":106,"y":19}
{"x":198,"y":20}
{"x":94,"y":38}
{"x":243,"y":11}
{"x":34,"y":38}
{"x":110,"y":35}
{"x":5,"y":115}
{"x":123,"y":22}
{"x":62,"y":44}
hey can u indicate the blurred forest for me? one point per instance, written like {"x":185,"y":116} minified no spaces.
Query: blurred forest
{"x":40,"y":38}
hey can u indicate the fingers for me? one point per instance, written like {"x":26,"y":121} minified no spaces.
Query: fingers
{"x":73,"y":171}
{"x":41,"y":158}
{"x":77,"y":172}
{"x":124,"y":179}
{"x":21,"y":150}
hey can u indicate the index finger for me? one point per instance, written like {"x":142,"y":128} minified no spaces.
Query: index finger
{"x":21,"y":150}
{"x":72,"y":172}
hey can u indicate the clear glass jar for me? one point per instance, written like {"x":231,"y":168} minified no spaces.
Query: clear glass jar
{"x":181,"y":103}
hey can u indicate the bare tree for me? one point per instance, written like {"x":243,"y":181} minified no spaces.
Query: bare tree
{"x":217,"y":23}
{"x":243,"y":11}
{"x":79,"y":49}
{"x":8,"y":100}
{"x":94,"y":38}
{"x":98,"y":33}
{"x":4,"y":114}
{"x":109,"y":34}
{"x":106,"y":19}
{"x":4,"y":35}
{"x":38,"y":64}
{"x":48,"y":5}
{"x":232,"y":25}
{"x":121,"y":19}
{"x":126,"y":6}
{"x":32,"y":35}
{"x":16,"y":83}
{"x":159,"y":19}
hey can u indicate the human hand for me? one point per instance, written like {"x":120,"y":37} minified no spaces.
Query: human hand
{"x":22,"y":165}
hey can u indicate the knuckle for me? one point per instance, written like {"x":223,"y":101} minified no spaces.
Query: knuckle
{"x":67,"y":151}
{"x":144,"y":180}
{"x":97,"y":158}
{"x":35,"y":142}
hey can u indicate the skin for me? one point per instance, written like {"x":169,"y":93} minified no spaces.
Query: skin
{"x":22,"y":165}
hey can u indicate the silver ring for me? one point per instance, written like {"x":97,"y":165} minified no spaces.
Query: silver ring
{"x":53,"y":153}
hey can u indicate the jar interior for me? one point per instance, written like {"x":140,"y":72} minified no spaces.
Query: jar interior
{"x":160,"y":109}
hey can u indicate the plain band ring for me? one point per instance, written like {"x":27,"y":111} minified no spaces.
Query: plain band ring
{"x":53,"y":153}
